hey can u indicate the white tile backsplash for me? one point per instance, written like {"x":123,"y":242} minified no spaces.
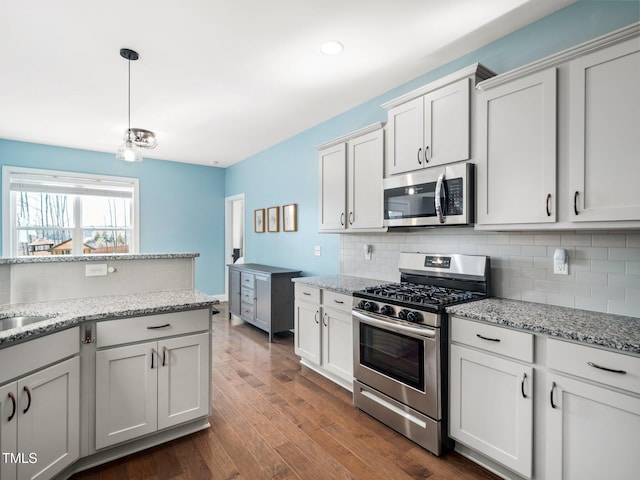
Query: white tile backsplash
{"x":604,"y":267}
{"x":35,"y":282}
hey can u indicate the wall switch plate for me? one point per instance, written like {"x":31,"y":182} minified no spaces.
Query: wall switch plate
{"x":316,"y":250}
{"x":95,"y":270}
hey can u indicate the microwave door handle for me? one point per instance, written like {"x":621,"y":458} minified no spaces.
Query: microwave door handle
{"x":438,"y":194}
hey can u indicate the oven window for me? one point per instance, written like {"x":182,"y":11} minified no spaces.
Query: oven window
{"x":397,"y":356}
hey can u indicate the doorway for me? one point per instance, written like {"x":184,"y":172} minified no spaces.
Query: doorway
{"x":234,"y":241}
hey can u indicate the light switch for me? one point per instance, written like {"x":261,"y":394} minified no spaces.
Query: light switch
{"x":316,"y":250}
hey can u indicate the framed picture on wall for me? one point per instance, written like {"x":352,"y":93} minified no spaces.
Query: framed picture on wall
{"x":289,"y":221}
{"x":273,"y":219}
{"x":258,"y":220}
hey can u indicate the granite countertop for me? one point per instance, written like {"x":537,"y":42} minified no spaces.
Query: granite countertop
{"x":616,"y":332}
{"x":346,"y":284}
{"x":94,"y":258}
{"x":256,"y":267}
{"x":68,"y":313}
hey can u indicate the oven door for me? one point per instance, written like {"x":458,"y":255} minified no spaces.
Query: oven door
{"x":433,"y":196}
{"x":399,"y":360}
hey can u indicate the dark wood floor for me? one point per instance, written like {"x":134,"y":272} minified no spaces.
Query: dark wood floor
{"x":272,"y":418}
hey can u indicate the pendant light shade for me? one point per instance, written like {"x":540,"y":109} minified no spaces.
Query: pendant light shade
{"x":135,"y":139}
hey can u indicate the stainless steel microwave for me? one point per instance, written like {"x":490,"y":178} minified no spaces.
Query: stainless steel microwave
{"x":433,"y":196}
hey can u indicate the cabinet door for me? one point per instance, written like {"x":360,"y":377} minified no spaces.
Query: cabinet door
{"x":50,"y":427}
{"x":517,"y":151}
{"x":126,"y":393}
{"x":446,"y":124}
{"x":8,"y":429}
{"x":604,"y":142}
{"x":592,"y":432}
{"x":365,"y":159}
{"x":405,"y":137}
{"x":307,"y":331}
{"x":333,"y":188}
{"x":492,"y":408}
{"x":183,"y":379}
{"x":263,"y":302}
{"x":234,"y":291}
{"x":337,"y":344}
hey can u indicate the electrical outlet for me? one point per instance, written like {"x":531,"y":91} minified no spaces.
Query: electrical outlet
{"x":316,"y":250}
{"x":560,"y":262}
{"x":367,"y":252}
{"x":95,"y":270}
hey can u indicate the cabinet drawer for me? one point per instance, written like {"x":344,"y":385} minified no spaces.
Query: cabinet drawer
{"x":307,"y":293}
{"x":247,"y":310}
{"x":583,"y":361}
{"x":247,"y":295}
{"x":502,"y":341}
{"x":247,"y":279}
{"x":137,"y":329}
{"x":25,"y":357}
{"x":339,"y":301}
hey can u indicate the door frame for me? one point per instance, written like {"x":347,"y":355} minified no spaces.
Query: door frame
{"x":228,"y":236}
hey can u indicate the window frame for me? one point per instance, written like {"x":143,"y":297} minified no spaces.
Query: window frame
{"x":9,"y":229}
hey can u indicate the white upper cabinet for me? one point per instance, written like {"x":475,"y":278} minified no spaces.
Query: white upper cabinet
{"x":351,"y":172}
{"x":431,"y":125}
{"x":559,"y":144}
{"x":516,"y":156}
{"x":604,"y":136}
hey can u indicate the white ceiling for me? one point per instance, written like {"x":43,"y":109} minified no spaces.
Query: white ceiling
{"x":220,"y":80}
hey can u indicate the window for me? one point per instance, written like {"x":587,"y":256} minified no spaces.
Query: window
{"x":62,"y":213}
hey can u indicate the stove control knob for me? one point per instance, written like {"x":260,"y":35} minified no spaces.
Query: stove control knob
{"x":403,"y":314}
{"x":368,"y":306}
{"x":387,"y":310}
{"x":415,"y":317}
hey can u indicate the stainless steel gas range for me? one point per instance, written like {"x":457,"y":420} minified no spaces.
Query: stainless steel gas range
{"x":400,"y":342}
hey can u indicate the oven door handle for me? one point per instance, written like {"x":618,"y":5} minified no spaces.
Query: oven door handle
{"x":393,"y":326}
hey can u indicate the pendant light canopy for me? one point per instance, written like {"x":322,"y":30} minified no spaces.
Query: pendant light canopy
{"x":135,"y":139}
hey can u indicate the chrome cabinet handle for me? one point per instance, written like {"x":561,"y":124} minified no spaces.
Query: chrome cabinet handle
{"x":607,"y":369}
{"x":575,"y":203}
{"x":315,"y":317}
{"x":153,"y":354}
{"x":437,"y":198}
{"x":524,"y":377}
{"x":548,"y":200}
{"x":26,"y":389}
{"x":487,"y":338}
{"x":419,"y":150}
{"x":164,"y":356}
{"x":15,"y":406}
{"x":156,"y":327}
{"x":553,"y":387}
{"x":426,"y":154}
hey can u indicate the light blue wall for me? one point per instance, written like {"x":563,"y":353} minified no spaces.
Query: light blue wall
{"x":288,"y":172}
{"x":181,"y":205}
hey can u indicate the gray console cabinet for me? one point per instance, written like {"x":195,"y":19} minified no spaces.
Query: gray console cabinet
{"x":262,"y":296}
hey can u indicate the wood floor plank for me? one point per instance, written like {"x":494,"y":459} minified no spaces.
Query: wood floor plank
{"x":272,"y":418}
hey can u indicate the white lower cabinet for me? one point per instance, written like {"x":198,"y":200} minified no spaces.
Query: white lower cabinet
{"x":491,"y":396}
{"x":149,"y":386}
{"x":592,"y":431}
{"x":40,"y":424}
{"x":591,"y":428}
{"x":323,"y":333}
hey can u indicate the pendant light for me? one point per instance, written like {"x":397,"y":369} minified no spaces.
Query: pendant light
{"x":135,"y":139}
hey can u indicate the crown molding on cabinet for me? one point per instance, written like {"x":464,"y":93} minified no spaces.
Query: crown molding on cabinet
{"x":477,"y":69}
{"x":362,"y":131}
{"x":564,"y":56}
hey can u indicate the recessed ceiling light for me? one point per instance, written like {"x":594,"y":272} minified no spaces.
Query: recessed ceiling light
{"x":332,"y":47}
